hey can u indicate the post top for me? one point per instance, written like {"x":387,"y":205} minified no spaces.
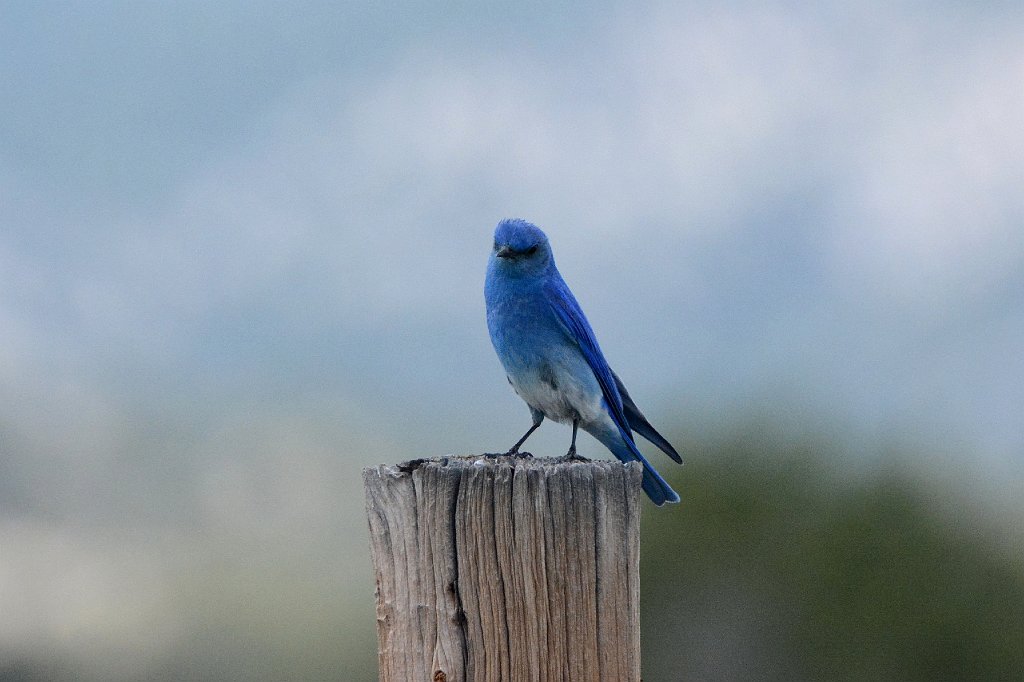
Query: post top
{"x":549,"y":465}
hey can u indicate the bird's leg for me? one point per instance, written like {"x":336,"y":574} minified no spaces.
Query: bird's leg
{"x":571,"y":456}
{"x":572,"y":446}
{"x":514,"y":450}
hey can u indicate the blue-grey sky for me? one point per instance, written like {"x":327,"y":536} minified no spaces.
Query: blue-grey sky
{"x":242,"y":253}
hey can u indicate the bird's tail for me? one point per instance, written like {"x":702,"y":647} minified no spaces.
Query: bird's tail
{"x":625,"y":450}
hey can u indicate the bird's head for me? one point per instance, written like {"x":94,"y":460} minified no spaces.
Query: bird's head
{"x":520,"y":248}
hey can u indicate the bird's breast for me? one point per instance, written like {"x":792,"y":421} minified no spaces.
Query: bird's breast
{"x":551,"y":375}
{"x":544,"y":366}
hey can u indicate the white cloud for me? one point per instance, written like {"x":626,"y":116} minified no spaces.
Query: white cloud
{"x":370,"y":201}
{"x":932,"y":204}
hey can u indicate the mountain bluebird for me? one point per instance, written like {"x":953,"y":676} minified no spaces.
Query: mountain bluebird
{"x":551,"y":356}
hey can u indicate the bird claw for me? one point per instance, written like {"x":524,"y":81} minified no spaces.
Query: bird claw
{"x":411,"y":466}
{"x":571,"y":456}
{"x":511,"y":453}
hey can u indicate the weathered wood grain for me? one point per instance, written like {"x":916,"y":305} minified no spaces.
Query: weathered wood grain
{"x":514,"y":570}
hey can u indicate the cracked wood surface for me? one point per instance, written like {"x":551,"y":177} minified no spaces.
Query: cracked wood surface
{"x":518,"y":570}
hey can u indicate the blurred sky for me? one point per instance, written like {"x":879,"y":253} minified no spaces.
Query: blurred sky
{"x":242,"y":249}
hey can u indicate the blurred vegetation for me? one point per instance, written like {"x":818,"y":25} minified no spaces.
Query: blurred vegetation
{"x":785,"y":561}
{"x":779,"y":566}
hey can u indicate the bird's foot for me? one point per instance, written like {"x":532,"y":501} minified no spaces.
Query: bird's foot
{"x":571,"y":456}
{"x":411,"y":466}
{"x":511,"y":453}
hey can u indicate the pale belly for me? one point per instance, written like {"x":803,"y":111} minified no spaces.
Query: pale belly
{"x":563,"y":388}
{"x":551,"y":375}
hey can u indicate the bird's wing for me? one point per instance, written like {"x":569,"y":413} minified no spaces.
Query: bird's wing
{"x":638,"y":422}
{"x":569,"y":314}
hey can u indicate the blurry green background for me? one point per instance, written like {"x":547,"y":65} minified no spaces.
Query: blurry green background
{"x":241,"y":257}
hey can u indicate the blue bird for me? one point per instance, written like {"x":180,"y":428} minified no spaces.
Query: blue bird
{"x":551,"y":356}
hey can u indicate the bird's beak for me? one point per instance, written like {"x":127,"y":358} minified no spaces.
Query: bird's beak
{"x":505,"y":252}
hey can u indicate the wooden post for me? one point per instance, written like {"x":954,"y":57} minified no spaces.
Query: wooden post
{"x":519,"y":570}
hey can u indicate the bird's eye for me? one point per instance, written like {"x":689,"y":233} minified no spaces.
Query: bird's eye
{"x":532,"y":250}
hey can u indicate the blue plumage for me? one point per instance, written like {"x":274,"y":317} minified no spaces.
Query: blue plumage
{"x":551,"y":356}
